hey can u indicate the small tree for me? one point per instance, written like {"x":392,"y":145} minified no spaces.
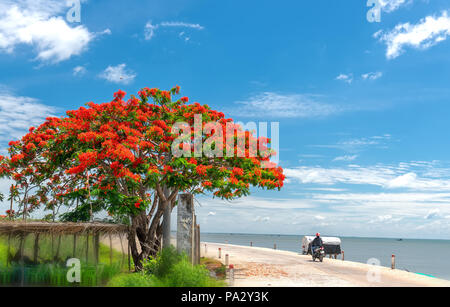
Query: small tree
{"x":124,"y":157}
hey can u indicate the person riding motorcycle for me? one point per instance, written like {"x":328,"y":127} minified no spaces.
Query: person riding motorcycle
{"x":316,"y":243}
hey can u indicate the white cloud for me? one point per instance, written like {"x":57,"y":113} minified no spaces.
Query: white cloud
{"x":428,"y":32}
{"x":269,"y":104}
{"x":118,"y":74}
{"x":392,"y":5}
{"x":37,"y":24}
{"x":392,"y":198}
{"x":385,"y":219}
{"x":381,"y":218}
{"x":105,"y":32}
{"x":183,"y":36}
{"x":264,"y":219}
{"x":330,"y":176}
{"x":385,"y":208}
{"x":434,"y":227}
{"x":150,"y":29}
{"x":432,"y":214}
{"x":326,"y":189}
{"x":346,"y":78}
{"x":254,"y":203}
{"x":181,"y":24}
{"x":384,"y":176}
{"x":359,"y":144}
{"x":412,"y":181}
{"x":79,"y":71}
{"x":18,"y":114}
{"x":345,"y":158}
{"x":403,"y":180}
{"x":372,"y":75}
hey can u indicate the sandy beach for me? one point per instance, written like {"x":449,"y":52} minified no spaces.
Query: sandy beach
{"x":263,"y":267}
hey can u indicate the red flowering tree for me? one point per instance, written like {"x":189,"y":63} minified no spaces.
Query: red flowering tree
{"x":124,"y":157}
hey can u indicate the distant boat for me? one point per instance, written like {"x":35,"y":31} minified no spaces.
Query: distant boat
{"x":399,"y":239}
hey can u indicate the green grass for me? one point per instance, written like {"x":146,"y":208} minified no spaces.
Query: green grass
{"x":3,"y":253}
{"x":184,"y":274}
{"x":168,"y":269}
{"x":56,"y":275}
{"x":131,"y":280}
{"x":50,"y":269}
{"x":215,"y":266}
{"x":49,"y":251}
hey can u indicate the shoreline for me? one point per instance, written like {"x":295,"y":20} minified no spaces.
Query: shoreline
{"x":323,"y":235}
{"x":260,"y":266}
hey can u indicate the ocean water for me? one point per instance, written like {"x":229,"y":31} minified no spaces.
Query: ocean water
{"x":431,"y":257}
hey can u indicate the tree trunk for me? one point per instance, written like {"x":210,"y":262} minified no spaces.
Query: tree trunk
{"x":166,"y":220}
{"x":147,"y":234}
{"x":11,"y":208}
{"x":138,"y":230}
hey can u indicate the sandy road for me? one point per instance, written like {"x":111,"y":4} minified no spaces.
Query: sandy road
{"x":264,"y":267}
{"x":255,"y":266}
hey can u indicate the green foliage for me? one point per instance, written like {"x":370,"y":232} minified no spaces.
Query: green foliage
{"x":221,"y":271}
{"x":171,"y":269}
{"x":82,"y":212}
{"x":131,"y":280}
{"x":163,"y":263}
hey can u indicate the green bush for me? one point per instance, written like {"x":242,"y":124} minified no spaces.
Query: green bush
{"x":163,"y":263}
{"x":131,"y":280}
{"x":171,"y":269}
{"x":184,"y":274}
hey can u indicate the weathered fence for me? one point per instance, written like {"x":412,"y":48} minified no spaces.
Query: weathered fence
{"x":85,"y":239}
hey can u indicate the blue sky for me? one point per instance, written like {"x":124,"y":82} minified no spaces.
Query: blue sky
{"x":363,"y":106}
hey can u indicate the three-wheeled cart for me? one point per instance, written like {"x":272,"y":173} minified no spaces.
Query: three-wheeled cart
{"x":331,"y":245}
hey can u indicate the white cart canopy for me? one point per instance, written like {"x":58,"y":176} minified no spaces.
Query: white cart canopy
{"x":332,"y":245}
{"x":325,"y":240}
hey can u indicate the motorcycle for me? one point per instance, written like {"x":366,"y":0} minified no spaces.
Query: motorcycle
{"x":319,"y":253}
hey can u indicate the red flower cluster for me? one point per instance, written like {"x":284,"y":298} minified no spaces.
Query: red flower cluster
{"x":238,"y":171}
{"x":201,"y":169}
{"x":17,"y":158}
{"x":138,"y":204}
{"x":86,"y":159}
